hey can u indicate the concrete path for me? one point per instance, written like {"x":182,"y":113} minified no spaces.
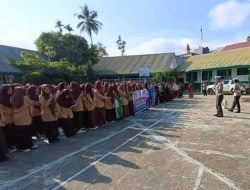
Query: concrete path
{"x":177,"y":145}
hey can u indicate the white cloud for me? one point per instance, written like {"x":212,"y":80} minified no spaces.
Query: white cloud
{"x":13,"y":37}
{"x":156,"y":45}
{"x":229,"y":14}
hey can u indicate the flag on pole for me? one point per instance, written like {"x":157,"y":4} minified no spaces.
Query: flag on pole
{"x":201,"y":34}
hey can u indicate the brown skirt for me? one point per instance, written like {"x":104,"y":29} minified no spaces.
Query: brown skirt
{"x":90,"y":119}
{"x":3,"y":145}
{"x":126,"y":110}
{"x":100,"y":115}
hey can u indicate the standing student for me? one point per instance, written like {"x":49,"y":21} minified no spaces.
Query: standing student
{"x":118,"y":103}
{"x":204,"y":88}
{"x":7,"y":110}
{"x":99,"y":99}
{"x":77,"y":96}
{"x":124,"y":99}
{"x":219,"y":96}
{"x":33,"y":94}
{"x":3,"y":145}
{"x":65,"y":115}
{"x":90,"y":107}
{"x":109,"y":104}
{"x":190,"y":90}
{"x":22,"y":106}
{"x":48,"y":109}
{"x":237,"y":95}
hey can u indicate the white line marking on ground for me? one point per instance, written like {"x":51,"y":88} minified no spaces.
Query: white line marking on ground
{"x":182,"y":153}
{"x":104,"y":156}
{"x":5,"y":184}
{"x":198,"y":178}
{"x":215,"y":152}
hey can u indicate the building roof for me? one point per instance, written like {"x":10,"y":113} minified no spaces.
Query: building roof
{"x":236,"y":46}
{"x":127,"y":65}
{"x":8,"y":53}
{"x":222,"y":59}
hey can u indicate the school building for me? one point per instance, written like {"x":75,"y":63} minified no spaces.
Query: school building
{"x":232,"y":61}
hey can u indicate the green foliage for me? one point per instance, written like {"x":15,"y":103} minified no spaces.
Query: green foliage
{"x":157,"y":77}
{"x":248,"y":38}
{"x":58,"y":46}
{"x":40,"y":71}
{"x":169,"y":75}
{"x":35,"y":77}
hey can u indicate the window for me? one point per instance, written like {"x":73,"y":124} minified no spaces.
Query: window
{"x":225,"y":73}
{"x":191,"y":77}
{"x":225,"y":81}
{"x":242,"y":71}
{"x":206,"y":75}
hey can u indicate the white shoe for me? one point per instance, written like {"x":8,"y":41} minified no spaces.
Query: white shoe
{"x":34,"y":146}
{"x":12,"y":150}
{"x":26,"y":150}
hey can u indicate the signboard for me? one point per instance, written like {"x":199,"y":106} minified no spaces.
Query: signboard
{"x":140,"y":100}
{"x":144,"y":72}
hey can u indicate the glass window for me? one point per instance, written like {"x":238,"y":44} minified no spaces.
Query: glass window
{"x":225,"y":73}
{"x":225,"y":82}
{"x":191,"y":76}
{"x":206,"y":75}
{"x":242,"y":71}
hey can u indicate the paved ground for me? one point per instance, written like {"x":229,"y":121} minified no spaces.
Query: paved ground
{"x":177,"y":145}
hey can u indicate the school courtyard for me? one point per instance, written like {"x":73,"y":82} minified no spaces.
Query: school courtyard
{"x":176,"y":145}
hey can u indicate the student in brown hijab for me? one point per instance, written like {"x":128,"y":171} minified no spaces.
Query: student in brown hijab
{"x":99,"y":99}
{"x":77,"y":95}
{"x":48,"y":108}
{"x":22,"y":106}
{"x":7,"y":110}
{"x":90,"y":107}
{"x":124,"y":98}
{"x":110,"y":104}
{"x":33,"y":94}
{"x":3,"y":144}
{"x":65,"y":104}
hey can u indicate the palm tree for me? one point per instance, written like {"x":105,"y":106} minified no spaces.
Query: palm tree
{"x":59,"y":25}
{"x":68,"y":28}
{"x":88,"y":22}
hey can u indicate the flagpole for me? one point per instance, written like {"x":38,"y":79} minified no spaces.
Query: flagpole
{"x":201,"y":53}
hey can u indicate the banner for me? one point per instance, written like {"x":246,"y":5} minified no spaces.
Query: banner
{"x":140,"y":100}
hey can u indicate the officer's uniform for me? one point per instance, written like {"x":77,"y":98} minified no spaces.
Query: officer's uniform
{"x":237,"y":94}
{"x":219,"y":97}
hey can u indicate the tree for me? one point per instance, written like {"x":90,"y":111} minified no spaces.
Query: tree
{"x":68,"y":28}
{"x":248,"y":38}
{"x":59,"y":25}
{"x":121,"y":45}
{"x":58,"y":46}
{"x":101,"y":50}
{"x":88,"y":22}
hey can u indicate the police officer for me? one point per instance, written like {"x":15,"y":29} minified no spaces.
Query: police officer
{"x":237,"y":94}
{"x":219,"y":96}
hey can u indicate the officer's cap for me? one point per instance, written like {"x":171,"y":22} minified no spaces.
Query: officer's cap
{"x":217,"y":77}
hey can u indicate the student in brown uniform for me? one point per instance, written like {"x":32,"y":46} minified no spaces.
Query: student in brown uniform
{"x":65,"y":103}
{"x":3,"y":145}
{"x":90,"y":107}
{"x":109,"y":104}
{"x":9,"y":129}
{"x":124,"y":98}
{"x":77,"y":95}
{"x":84,"y":107}
{"x":130,"y":88}
{"x":99,"y":99}
{"x":33,"y":94}
{"x":22,"y":106}
{"x":48,"y":108}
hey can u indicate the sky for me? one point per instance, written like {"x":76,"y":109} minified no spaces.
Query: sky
{"x":147,"y":26}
